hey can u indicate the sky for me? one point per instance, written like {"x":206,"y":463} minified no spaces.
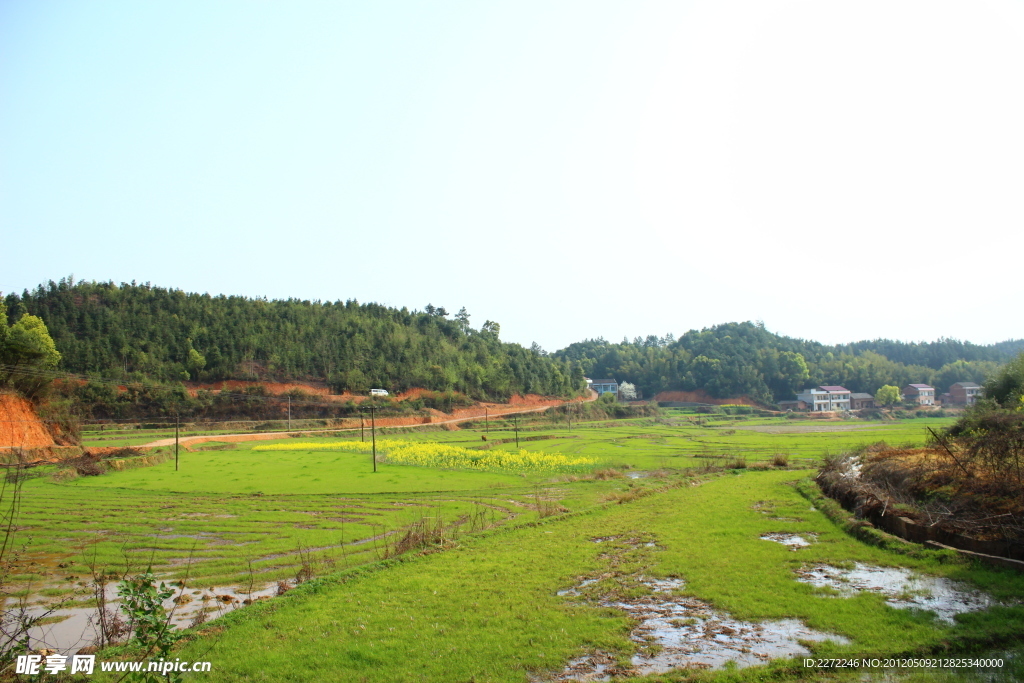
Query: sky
{"x":838,"y":170}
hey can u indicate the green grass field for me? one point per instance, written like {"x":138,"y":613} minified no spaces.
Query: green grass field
{"x":224,"y":508}
{"x":487,"y":608}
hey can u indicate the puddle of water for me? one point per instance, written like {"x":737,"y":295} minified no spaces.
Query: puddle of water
{"x":791,"y":541}
{"x":597,"y":666}
{"x":603,"y":539}
{"x":691,"y":634}
{"x":638,"y":475}
{"x":79,"y":625}
{"x":903,"y":588}
{"x":576,"y":590}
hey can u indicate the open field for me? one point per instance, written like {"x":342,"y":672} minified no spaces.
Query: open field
{"x":488,"y":608}
{"x":237,"y":504}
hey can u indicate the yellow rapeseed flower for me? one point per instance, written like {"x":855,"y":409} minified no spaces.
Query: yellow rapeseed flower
{"x":433,"y":454}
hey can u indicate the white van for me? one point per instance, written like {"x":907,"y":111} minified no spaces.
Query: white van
{"x":378,"y":392}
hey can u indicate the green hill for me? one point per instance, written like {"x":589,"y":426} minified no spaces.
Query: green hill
{"x":736,"y":359}
{"x":139,"y":331}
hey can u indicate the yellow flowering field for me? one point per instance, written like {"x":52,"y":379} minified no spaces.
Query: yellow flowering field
{"x":431,"y":454}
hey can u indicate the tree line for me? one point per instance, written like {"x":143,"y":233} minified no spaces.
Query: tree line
{"x":735,"y":359}
{"x":140,"y":332}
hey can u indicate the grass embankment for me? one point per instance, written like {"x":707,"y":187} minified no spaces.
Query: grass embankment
{"x":489,"y":610}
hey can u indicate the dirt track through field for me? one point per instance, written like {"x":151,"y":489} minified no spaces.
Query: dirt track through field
{"x":494,"y":410}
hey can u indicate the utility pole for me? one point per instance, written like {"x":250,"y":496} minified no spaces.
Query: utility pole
{"x":175,"y":442}
{"x":362,"y":432}
{"x":568,"y":415}
{"x":289,"y":413}
{"x":515,"y":421}
{"x":373,"y":435}
{"x":487,"y":425}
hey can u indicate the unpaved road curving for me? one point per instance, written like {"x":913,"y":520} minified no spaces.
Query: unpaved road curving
{"x":276,"y":435}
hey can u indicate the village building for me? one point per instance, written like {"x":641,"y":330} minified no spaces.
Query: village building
{"x":605,"y":386}
{"x":921,"y":394}
{"x":860,"y":401}
{"x":964,"y":393}
{"x":826,"y":398}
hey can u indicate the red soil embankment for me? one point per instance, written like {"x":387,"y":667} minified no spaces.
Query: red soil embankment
{"x":323,"y":391}
{"x":701,"y":396}
{"x":274,"y":388}
{"x":20,"y":427}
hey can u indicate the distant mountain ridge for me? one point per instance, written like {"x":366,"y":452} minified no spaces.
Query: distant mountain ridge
{"x":134,"y":331}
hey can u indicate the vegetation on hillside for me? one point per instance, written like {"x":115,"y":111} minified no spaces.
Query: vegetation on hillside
{"x":132,"y":332}
{"x":136,"y":332}
{"x":744,"y":358}
{"x":26,"y":351}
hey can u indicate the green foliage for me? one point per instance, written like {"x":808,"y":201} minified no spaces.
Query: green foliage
{"x":28,"y":345}
{"x":142,"y":603}
{"x":888,"y":395}
{"x":1006,"y":388}
{"x":736,"y":359}
{"x":140,"y":332}
{"x":27,"y":342}
{"x":195,"y":363}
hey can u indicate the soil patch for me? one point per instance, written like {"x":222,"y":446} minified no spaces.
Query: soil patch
{"x":275,"y":388}
{"x":20,"y":427}
{"x":701,"y":396}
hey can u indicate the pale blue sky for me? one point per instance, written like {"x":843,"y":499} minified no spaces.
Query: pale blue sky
{"x":839,"y":170}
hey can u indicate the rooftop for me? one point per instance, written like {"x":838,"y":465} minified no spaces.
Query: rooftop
{"x":968,"y":385}
{"x":861,"y":395}
{"x":833,"y":389}
{"x":921,"y":386}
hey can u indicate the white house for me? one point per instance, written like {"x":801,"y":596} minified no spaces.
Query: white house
{"x":826,"y":398}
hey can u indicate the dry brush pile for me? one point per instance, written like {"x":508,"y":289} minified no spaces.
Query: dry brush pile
{"x":969,"y":481}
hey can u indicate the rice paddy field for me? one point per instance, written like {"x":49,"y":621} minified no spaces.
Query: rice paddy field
{"x":601,"y":552}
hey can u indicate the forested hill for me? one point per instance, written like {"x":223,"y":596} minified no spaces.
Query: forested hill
{"x":135,"y":331}
{"x":743,"y":358}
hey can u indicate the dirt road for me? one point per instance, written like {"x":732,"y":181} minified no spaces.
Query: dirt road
{"x":391,"y":423}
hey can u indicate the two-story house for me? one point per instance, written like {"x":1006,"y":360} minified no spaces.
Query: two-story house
{"x":921,"y":394}
{"x":838,"y":397}
{"x":825,"y":398}
{"x":964,"y":393}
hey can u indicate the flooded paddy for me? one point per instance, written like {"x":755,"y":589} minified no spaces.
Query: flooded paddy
{"x":72,"y":628}
{"x":903,"y":588}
